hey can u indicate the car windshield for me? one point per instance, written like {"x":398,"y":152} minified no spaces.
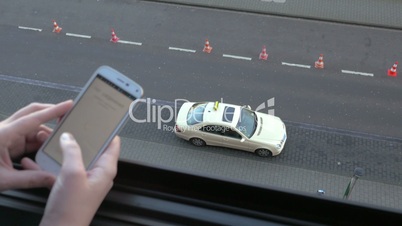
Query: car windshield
{"x":247,"y":122}
{"x":196,"y":114}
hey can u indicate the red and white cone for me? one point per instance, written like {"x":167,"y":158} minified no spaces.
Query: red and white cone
{"x":320,"y":62}
{"x":114,"y":37}
{"x":392,"y":71}
{"x":56,"y":28}
{"x":264,"y":54}
{"x":207,"y":47}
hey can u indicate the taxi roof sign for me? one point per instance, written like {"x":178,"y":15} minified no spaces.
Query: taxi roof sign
{"x":216,"y":105}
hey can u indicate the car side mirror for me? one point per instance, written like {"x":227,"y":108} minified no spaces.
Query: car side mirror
{"x":247,"y":106}
{"x":242,"y":139}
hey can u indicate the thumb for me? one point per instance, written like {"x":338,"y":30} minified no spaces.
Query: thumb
{"x":72,"y":157}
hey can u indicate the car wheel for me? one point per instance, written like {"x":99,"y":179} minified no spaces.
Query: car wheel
{"x":197,"y":142}
{"x":262,"y":152}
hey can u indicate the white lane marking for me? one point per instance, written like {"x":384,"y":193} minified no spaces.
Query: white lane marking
{"x":30,"y":28}
{"x":236,"y":57}
{"x":39,"y":83}
{"x":130,"y":43}
{"x":78,"y":35}
{"x":358,"y":73}
{"x":182,"y":50}
{"x":296,"y":65}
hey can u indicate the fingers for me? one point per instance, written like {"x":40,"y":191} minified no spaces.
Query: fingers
{"x":46,"y":129}
{"x":72,"y":157}
{"x":42,"y":135}
{"x":37,"y":114}
{"x":35,"y":142}
{"x":29,"y":179}
{"x":108,"y":160}
{"x":27,"y":163}
{"x":33,"y":107}
{"x":112,"y":152}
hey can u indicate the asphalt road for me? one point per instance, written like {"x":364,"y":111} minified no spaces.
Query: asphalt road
{"x":308,"y":147}
{"x":325,"y":97}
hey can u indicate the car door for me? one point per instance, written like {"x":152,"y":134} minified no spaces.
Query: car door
{"x":232,"y":139}
{"x":212,"y":134}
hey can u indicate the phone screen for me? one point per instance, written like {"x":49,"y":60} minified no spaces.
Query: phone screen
{"x":92,"y":120}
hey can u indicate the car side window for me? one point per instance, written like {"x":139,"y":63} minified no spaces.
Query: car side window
{"x":232,"y":133}
{"x":214,"y":129}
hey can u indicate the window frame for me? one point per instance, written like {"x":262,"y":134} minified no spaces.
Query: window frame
{"x":159,"y":195}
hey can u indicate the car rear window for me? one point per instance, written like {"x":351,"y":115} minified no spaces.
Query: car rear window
{"x":228,"y":114}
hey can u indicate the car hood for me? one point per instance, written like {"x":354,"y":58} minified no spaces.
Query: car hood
{"x":269,"y":128}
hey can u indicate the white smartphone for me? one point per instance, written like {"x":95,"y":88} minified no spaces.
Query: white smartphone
{"x":99,"y":111}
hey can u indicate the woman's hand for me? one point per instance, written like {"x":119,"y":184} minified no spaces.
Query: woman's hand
{"x":77,"y":194}
{"x":23,"y":133}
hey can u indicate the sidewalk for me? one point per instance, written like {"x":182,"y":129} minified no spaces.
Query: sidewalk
{"x":259,"y":173}
{"x":384,"y":13}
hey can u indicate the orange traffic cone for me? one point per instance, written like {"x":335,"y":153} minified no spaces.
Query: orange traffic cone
{"x":264,"y":54}
{"x":56,"y":27}
{"x":207,"y":47}
{"x":392,"y":72}
{"x":114,"y":37}
{"x":320,"y":62}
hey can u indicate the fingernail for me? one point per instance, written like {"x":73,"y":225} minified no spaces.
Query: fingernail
{"x":66,"y":137}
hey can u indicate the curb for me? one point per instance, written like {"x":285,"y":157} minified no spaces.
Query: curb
{"x":381,"y":14}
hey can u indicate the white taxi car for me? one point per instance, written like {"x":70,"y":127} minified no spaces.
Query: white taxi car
{"x":232,"y":126}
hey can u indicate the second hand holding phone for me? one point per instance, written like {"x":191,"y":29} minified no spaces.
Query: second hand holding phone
{"x":99,"y":112}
